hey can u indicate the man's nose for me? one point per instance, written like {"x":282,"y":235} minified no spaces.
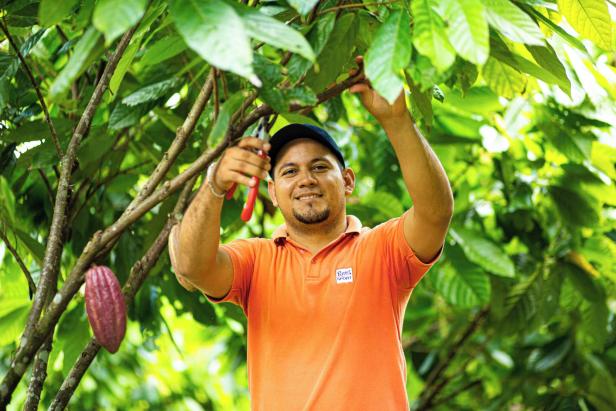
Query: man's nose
{"x":306,"y":178}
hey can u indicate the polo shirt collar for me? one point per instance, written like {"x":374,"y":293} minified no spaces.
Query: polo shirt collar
{"x":353,"y":227}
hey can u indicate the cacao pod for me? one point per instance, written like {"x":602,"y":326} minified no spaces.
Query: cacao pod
{"x":105,"y":307}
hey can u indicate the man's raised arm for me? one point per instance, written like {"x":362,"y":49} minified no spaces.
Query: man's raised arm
{"x":426,"y":225}
{"x":195,"y":252}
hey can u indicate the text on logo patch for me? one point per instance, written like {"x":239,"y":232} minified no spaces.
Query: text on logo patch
{"x":344,"y":275}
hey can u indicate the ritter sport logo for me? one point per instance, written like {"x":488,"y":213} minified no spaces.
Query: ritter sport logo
{"x":344,"y":275}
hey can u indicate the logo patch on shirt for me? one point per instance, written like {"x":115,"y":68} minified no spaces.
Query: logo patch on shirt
{"x":344,"y":275}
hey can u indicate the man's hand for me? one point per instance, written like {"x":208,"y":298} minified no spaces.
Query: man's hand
{"x":374,"y":103}
{"x":240,"y":163}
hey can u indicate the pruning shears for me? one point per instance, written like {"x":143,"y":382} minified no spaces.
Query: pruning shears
{"x":249,"y":205}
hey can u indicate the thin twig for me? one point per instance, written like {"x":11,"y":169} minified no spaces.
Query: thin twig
{"x":216,"y":98}
{"x":20,"y":262}
{"x":52,"y":129}
{"x":53,"y":252}
{"x":47,"y":185}
{"x":432,"y":389}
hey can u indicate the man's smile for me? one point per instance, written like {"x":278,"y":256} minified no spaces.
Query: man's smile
{"x":308,"y":196}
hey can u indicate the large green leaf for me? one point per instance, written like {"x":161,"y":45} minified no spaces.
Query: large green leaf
{"x":224,"y":117}
{"x":336,"y":53}
{"x":520,"y":305}
{"x":574,"y":207}
{"x":78,"y":62}
{"x":317,"y":37}
{"x":591,"y":18}
{"x":386,"y":203}
{"x":214,"y":30}
{"x":7,"y":202}
{"x":503,"y":79}
{"x":272,"y":31}
{"x":483,"y":252}
{"x":114,"y":17}
{"x":53,"y":11}
{"x":162,"y":50}
{"x":461,"y":282}
{"x":388,"y":54}
{"x":546,"y":57}
{"x":594,"y":325}
{"x":151,"y":92}
{"x":429,"y":35}
{"x":512,"y":22}
{"x":468,"y":29}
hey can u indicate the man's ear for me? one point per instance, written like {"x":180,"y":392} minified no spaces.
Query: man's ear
{"x":349,"y":181}
{"x":272,"y":192}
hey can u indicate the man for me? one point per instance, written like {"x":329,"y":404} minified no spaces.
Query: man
{"x":325,"y":298}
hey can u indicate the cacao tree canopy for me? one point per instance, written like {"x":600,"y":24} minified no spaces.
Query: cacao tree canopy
{"x":111,"y":111}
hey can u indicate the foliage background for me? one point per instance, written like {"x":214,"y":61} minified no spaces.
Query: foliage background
{"x":516,"y":98}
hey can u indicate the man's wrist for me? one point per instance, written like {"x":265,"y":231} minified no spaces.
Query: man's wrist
{"x":213,"y":187}
{"x":394,"y":122}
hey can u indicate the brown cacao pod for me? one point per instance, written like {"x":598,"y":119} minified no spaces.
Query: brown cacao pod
{"x":105,"y":307}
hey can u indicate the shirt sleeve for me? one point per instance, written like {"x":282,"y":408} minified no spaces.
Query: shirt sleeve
{"x":242,"y":254}
{"x":406,"y":268}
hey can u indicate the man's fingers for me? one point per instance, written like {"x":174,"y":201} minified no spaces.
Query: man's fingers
{"x":360,"y":88}
{"x":253,"y":143}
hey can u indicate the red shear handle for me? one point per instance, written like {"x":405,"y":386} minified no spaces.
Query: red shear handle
{"x":249,"y":205}
{"x":231,"y":191}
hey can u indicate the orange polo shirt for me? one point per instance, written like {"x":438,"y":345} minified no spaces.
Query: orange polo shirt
{"x":324,"y":330}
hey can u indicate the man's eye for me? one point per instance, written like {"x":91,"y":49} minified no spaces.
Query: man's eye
{"x":288,"y":172}
{"x":320,"y":167}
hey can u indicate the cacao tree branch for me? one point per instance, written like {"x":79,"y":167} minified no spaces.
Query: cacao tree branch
{"x":54,"y":243}
{"x":135,"y":280}
{"x":39,"y":374}
{"x":101,"y":238}
{"x":432,"y":389}
{"x":178,"y":144}
{"x":20,"y":262}
{"x":52,"y":129}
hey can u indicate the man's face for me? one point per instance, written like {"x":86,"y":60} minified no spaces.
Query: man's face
{"x":309,"y":186}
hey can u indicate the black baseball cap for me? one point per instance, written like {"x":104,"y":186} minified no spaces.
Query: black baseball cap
{"x":294,"y":131}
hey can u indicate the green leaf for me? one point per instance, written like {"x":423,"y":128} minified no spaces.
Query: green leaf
{"x":151,"y":92}
{"x":162,"y":50}
{"x":429,"y":36}
{"x":512,"y":22}
{"x":594,"y":324}
{"x":224,"y":117}
{"x":468,"y":29}
{"x":557,"y":29}
{"x":78,"y":63}
{"x":53,"y":11}
{"x":421,"y":99}
{"x":483,"y":252}
{"x":317,"y":37}
{"x":125,"y":116}
{"x":520,"y":305}
{"x":387,"y":204}
{"x":502,"y":53}
{"x":590,"y":18}
{"x":301,"y":95}
{"x":462,"y":283}
{"x":336,"y":53}
{"x":12,"y":324}
{"x":389,"y":54}
{"x":503,"y":79}
{"x":36,"y":249}
{"x":7,"y":201}
{"x":546,"y":57}
{"x":213,"y":29}
{"x":303,"y":7}
{"x":550,"y":355}
{"x":575,"y":208}
{"x":114,"y":17}
{"x":123,"y":65}
{"x":273,"y":32}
